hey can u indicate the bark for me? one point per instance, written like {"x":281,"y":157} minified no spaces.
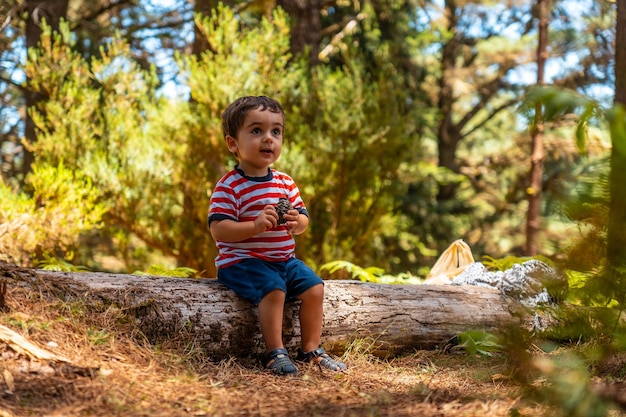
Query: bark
{"x":447,"y":134}
{"x":616,"y":239}
{"x":391,"y":319}
{"x":305,"y":17}
{"x":306,"y":27}
{"x":52,"y":12}
{"x":533,"y":216}
{"x":620,"y":54}
{"x":200,"y":43}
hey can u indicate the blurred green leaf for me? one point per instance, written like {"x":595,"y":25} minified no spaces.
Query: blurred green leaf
{"x":162,"y":270}
{"x":476,"y":342}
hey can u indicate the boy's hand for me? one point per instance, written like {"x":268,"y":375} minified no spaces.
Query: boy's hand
{"x":267,"y":219}
{"x":292,"y":217}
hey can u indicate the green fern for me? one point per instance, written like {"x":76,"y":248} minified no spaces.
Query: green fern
{"x":402,"y":278}
{"x":507,"y":262}
{"x":162,"y":270}
{"x":355,"y":271}
{"x":479,"y":343}
{"x":369,"y":274}
{"x":50,"y":263}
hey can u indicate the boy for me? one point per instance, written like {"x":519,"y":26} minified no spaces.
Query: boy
{"x":256,"y":251}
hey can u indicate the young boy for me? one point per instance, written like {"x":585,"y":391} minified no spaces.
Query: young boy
{"x":256,"y":245}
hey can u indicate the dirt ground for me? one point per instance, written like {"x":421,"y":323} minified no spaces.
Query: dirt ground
{"x":112,"y":371}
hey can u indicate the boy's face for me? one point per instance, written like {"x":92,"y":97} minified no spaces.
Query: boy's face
{"x":259,"y":141}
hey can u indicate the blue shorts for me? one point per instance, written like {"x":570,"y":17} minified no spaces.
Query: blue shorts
{"x":252,"y":279}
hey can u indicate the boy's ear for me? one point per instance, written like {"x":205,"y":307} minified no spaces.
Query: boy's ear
{"x":231,"y":142}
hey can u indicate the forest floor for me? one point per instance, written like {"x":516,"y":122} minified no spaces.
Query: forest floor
{"x":112,"y":371}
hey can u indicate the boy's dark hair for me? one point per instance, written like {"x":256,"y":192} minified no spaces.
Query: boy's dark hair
{"x":235,"y":114}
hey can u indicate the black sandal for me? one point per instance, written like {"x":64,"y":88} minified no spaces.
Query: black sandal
{"x":326,"y":362}
{"x":279,"y":363}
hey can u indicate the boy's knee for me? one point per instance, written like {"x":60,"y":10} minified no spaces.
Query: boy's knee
{"x":315,"y":292}
{"x":274,"y":295}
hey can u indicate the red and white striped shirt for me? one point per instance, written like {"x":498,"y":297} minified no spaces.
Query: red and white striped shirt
{"x":240,"y":198}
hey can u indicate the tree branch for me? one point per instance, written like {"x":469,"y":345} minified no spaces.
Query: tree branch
{"x":98,"y":12}
{"x":491,"y":115}
{"x":347,"y":28}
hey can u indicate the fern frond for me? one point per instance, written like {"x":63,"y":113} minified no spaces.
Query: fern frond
{"x":51,"y":263}
{"x":162,"y":270}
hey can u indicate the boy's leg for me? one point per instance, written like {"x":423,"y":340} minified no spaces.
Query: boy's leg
{"x":311,"y":321}
{"x":260,"y":283}
{"x":264,"y":287}
{"x":271,"y":319}
{"x":311,"y":317}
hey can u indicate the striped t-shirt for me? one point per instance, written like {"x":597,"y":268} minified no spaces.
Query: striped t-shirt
{"x":240,"y":198}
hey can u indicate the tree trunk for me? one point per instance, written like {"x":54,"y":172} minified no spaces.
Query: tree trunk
{"x":306,"y":26}
{"x":533,"y":217}
{"x":616,"y":239}
{"x":52,"y":12}
{"x":620,"y":54}
{"x":448,"y":136}
{"x":391,"y":319}
{"x":200,"y":43}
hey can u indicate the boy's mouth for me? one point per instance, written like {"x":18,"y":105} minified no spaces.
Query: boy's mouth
{"x":267,"y":151}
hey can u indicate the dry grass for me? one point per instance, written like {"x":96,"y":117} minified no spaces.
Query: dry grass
{"x":114,"y":372}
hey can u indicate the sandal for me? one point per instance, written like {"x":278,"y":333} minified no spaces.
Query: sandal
{"x":279,"y":363}
{"x":326,"y":362}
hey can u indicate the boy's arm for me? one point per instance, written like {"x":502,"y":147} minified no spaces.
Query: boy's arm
{"x":233,"y":231}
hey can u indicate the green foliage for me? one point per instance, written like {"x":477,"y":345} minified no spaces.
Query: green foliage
{"x":355,"y":271}
{"x":476,"y":342}
{"x":241,"y":61}
{"x":579,"y":293}
{"x":349,"y":144}
{"x":617,"y":124}
{"x":98,"y":337}
{"x":507,"y":262}
{"x":164,"y":271}
{"x":152,"y":159}
{"x":111,"y":144}
{"x":598,"y":205}
{"x":63,"y":204}
{"x":569,"y":387}
{"x":358,"y":142}
{"x":363,"y":346}
{"x":557,"y":104}
{"x":595,"y":259}
{"x":345,"y":269}
{"x":50,"y":263}
{"x":597,"y":280}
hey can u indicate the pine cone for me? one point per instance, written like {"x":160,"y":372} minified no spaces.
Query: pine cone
{"x":282,"y":208}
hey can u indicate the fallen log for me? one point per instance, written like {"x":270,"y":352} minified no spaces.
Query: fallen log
{"x":393,"y":318}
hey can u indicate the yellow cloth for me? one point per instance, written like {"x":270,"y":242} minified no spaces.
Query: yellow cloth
{"x":451,"y":263}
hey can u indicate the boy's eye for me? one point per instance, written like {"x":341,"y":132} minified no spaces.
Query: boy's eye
{"x":276,"y":132}
{"x":256,"y":130}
